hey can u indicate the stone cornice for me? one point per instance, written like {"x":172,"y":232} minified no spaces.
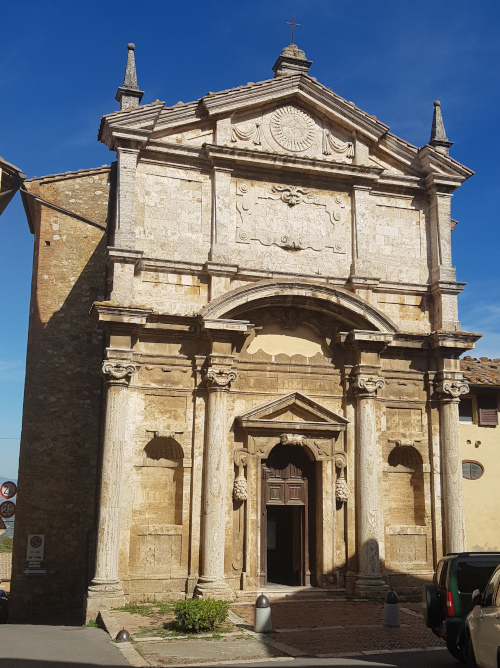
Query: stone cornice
{"x":228,"y":156}
{"x":109,"y":315}
{"x":453,"y":342}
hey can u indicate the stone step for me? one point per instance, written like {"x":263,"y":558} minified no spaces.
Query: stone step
{"x":281,"y":592}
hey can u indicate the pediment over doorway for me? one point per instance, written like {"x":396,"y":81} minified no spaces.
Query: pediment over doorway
{"x":292,"y":413}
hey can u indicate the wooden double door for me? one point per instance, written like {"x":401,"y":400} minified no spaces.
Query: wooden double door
{"x":285,"y":516}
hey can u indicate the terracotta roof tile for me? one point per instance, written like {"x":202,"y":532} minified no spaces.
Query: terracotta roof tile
{"x":482,"y":371}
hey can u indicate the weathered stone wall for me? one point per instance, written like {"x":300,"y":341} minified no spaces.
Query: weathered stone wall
{"x":62,"y":403}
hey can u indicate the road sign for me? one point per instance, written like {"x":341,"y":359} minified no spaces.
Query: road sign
{"x":7,"y":509}
{"x":2,"y":524}
{"x":33,"y":571}
{"x":35,"y":547}
{"x":8,"y":489}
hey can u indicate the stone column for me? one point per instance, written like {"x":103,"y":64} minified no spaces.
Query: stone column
{"x":449,"y":391}
{"x":106,"y":590}
{"x":211,"y":583}
{"x":369,"y":582}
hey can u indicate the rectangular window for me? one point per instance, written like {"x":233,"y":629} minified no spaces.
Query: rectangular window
{"x":487,"y":410}
{"x":465,"y":410}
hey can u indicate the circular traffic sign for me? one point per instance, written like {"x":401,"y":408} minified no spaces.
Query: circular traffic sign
{"x":7,"y":509}
{"x":35,"y":541}
{"x":8,"y":489}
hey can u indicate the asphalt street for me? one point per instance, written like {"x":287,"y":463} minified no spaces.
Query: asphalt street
{"x":405,"y":659}
{"x":29,"y":646}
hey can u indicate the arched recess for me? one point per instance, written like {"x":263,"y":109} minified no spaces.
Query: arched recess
{"x":406,"y":486}
{"x":162,"y":477}
{"x":346,"y":307}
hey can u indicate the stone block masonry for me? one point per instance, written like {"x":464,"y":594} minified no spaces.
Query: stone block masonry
{"x":60,"y":433}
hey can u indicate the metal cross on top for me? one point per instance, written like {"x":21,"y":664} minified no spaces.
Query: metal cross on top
{"x":294,"y":25}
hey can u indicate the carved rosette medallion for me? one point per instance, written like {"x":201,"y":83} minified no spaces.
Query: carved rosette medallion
{"x":220,"y":379}
{"x":368,"y":385}
{"x":118,"y":371}
{"x":452,"y":389}
{"x":292,"y":128}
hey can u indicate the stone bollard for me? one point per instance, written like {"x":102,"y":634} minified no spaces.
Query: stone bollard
{"x":391,"y":609}
{"x":262,"y":619}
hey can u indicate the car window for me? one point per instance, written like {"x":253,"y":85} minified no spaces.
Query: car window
{"x":496,"y":596}
{"x":490,"y":588}
{"x":442,"y":571}
{"x":474,"y":576}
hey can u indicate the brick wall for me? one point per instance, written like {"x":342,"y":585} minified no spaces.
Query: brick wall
{"x":5,"y":566}
{"x":60,"y":433}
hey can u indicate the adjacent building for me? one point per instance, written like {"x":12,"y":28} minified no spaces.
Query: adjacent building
{"x":480,"y":440}
{"x":243,"y":360}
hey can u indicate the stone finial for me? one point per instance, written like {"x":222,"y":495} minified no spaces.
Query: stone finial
{"x":291,"y":60}
{"x":438,"y":134}
{"x":129,"y":94}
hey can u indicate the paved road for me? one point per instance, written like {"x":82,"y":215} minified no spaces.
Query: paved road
{"x":414,"y":659}
{"x":27,"y":646}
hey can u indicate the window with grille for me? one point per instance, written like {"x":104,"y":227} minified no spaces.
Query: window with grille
{"x":487,"y":410}
{"x":472,"y":470}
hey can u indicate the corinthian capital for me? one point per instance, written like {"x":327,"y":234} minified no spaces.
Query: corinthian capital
{"x":220,"y":377}
{"x":117,"y":370}
{"x":452,"y":388}
{"x":368,"y":384}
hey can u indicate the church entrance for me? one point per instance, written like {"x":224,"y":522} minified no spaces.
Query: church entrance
{"x":287,"y":475}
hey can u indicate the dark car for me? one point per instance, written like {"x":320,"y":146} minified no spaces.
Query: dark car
{"x":447,"y":601}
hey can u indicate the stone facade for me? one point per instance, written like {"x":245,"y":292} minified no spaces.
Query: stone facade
{"x":280,"y":348}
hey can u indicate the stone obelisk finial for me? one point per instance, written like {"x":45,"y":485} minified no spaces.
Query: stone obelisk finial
{"x":438,"y":134}
{"x":129,"y":94}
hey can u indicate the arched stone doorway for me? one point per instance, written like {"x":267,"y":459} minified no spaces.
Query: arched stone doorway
{"x":288,"y":496}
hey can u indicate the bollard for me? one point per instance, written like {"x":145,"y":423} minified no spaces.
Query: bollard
{"x":391,"y":609}
{"x":262,"y":619}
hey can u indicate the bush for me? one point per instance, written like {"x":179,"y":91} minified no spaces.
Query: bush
{"x":196,"y":615}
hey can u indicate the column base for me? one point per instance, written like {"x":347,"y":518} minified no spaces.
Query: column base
{"x":103,"y":596}
{"x":370,"y":587}
{"x":216,"y":589}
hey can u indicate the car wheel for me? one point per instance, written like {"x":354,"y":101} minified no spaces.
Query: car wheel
{"x":471,"y":657}
{"x":432,"y":608}
{"x":455,"y":652}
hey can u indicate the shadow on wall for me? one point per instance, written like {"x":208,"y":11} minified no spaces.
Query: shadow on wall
{"x":60,"y":444}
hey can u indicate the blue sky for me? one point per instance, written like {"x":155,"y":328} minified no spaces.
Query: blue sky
{"x":62,"y":63}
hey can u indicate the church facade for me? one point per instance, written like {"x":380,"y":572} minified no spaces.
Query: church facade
{"x":266,"y":389}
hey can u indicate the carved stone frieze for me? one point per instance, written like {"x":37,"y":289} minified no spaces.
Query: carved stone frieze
{"x":368,"y":385}
{"x":292,"y":439}
{"x":331,"y":144}
{"x":290,"y":217}
{"x":250,"y":132}
{"x":118,"y":370}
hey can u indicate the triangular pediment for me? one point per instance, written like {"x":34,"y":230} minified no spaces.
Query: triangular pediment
{"x":293,"y":411}
{"x":258,"y":118}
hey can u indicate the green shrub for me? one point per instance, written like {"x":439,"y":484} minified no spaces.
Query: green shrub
{"x":196,"y":615}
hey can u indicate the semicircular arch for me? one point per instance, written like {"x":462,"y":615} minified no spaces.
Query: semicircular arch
{"x":349,"y":308}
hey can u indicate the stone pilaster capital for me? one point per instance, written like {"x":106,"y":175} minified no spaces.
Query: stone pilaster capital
{"x":451,"y":389}
{"x":367,"y":385}
{"x":219,"y":378}
{"x":118,"y":372}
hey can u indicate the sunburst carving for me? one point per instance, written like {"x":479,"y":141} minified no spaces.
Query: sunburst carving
{"x":292,"y":128}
